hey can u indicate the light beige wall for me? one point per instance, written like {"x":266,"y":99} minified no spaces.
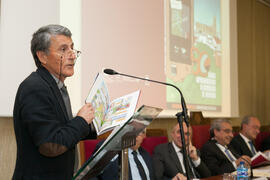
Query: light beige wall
{"x":253,"y":73}
{"x":253,"y":59}
{"x":7,"y":148}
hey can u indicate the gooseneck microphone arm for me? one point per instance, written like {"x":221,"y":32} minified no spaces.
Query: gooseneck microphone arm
{"x":183,"y":103}
{"x":180,"y":115}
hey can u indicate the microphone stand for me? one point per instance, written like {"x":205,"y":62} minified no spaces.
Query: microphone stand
{"x":181,"y":116}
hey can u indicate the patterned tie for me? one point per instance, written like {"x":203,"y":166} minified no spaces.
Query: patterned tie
{"x":66,"y":101}
{"x":139,"y":166}
{"x":229,"y":154}
{"x":252,"y":148}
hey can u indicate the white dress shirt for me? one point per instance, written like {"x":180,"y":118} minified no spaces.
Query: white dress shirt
{"x":180,"y":157}
{"x":247,"y":143}
{"x":134,"y":171}
{"x":223,"y":149}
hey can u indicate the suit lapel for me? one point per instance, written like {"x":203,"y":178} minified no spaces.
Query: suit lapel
{"x":220,"y":152}
{"x":236,"y":155}
{"x":174,"y":158}
{"x":245,"y":146}
{"x":51,"y":82}
{"x":145,"y":158}
{"x":148,"y":162}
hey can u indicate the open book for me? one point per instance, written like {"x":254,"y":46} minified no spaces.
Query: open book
{"x":260,"y":159}
{"x":109,"y":114}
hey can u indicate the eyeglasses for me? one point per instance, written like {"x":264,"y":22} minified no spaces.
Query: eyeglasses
{"x":227,"y":131}
{"x":68,"y":52}
{"x":77,"y":53}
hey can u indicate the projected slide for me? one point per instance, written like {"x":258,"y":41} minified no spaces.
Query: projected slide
{"x":193,"y":53}
{"x":189,"y":43}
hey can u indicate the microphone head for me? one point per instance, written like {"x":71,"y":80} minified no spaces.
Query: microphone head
{"x":110,"y":71}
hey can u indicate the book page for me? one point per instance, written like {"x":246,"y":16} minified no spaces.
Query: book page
{"x":262,"y":171}
{"x":259,"y":159}
{"x":99,"y":98}
{"x":259,"y":153}
{"x":120,"y":110}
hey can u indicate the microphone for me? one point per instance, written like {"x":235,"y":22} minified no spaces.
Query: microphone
{"x":183,"y":103}
{"x":110,"y":71}
{"x":179,"y":115}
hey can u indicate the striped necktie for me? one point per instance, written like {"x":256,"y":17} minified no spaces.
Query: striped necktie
{"x":229,"y":155}
{"x":252,"y":148}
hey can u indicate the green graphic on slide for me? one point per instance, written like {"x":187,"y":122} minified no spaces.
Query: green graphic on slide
{"x":194,"y":62}
{"x":191,"y":88}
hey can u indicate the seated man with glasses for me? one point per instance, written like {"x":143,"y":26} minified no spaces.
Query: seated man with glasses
{"x":217,"y":154}
{"x":168,"y":158}
{"x":45,"y":129}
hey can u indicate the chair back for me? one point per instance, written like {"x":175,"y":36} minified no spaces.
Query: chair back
{"x":200,"y":135}
{"x":149,"y":143}
{"x":260,"y":137}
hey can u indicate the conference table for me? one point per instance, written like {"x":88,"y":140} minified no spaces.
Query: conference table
{"x":263,"y":171}
{"x":218,"y":177}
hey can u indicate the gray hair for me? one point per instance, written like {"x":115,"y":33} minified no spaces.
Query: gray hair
{"x":216,"y":125}
{"x":41,"y":39}
{"x":246,"y":120}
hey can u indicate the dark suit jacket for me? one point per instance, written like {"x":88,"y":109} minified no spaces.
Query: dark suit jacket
{"x":40,"y":117}
{"x":240,"y":146}
{"x":215,"y":159}
{"x":166,"y":163}
{"x":111,"y":171}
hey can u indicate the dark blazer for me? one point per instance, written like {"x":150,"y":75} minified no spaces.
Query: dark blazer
{"x":215,"y":159}
{"x":111,"y":171}
{"x":166,"y":163}
{"x":240,"y":146}
{"x":40,"y":117}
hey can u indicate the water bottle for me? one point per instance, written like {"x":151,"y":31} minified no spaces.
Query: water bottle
{"x":242,"y":171}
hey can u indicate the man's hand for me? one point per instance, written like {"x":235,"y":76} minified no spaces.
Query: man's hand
{"x":244,"y":158}
{"x":193,"y":152}
{"x":179,"y":176}
{"x":87,"y":112}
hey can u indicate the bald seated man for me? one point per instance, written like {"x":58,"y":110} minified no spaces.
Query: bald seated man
{"x":243,"y":142}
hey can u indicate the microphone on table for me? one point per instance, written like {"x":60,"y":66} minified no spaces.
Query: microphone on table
{"x":180,"y":115}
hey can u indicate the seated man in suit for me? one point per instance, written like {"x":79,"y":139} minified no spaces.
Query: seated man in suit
{"x":220,"y":157}
{"x":242,"y":143}
{"x":168,"y":159}
{"x":140,"y":163}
